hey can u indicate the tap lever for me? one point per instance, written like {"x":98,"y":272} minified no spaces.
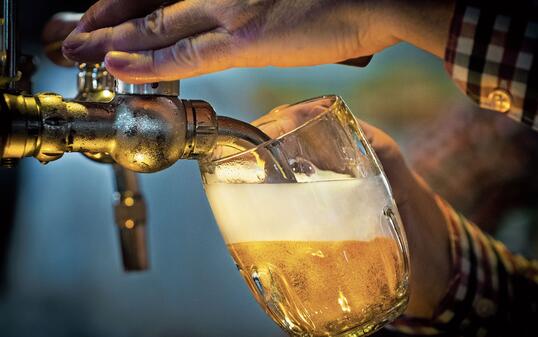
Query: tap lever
{"x":126,"y":180}
{"x":130,"y":215}
{"x":134,"y":249}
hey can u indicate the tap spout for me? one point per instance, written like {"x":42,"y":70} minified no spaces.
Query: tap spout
{"x":229,"y":127}
{"x":244,"y":136}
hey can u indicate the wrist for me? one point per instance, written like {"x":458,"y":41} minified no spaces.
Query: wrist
{"x":422,"y":23}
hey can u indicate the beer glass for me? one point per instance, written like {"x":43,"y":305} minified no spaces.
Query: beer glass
{"x":310,"y":221}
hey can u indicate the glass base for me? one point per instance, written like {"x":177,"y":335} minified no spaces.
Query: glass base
{"x":370,"y":327}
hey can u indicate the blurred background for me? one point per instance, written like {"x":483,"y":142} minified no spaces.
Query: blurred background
{"x":60,"y":267}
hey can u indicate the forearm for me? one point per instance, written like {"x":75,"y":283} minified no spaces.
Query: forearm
{"x":422,"y":23}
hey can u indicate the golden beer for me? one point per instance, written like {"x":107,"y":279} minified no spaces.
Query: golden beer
{"x":324,"y":288}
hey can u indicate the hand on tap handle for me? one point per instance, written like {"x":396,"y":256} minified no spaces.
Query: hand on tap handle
{"x":142,"y":41}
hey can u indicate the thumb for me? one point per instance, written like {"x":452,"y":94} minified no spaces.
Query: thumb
{"x":197,"y":55}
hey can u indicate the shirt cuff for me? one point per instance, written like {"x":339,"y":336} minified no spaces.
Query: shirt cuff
{"x":490,"y":56}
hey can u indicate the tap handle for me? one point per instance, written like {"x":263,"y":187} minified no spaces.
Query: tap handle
{"x":130,"y":215}
{"x":134,"y":249}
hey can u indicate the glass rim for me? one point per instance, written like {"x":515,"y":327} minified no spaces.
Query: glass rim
{"x":336,"y":100}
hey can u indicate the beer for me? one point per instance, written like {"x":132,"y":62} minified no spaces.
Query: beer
{"x":322,"y":288}
{"x":320,"y":257}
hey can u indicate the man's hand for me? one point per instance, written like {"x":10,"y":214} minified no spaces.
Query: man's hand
{"x":425,"y":224}
{"x":153,"y":40}
{"x":194,"y":37}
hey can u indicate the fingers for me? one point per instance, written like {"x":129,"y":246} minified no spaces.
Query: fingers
{"x":209,"y":52}
{"x":54,"y":32}
{"x":161,"y":28}
{"x":276,"y":122}
{"x":107,"y":13}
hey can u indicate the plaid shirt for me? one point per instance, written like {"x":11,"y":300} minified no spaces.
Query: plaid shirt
{"x":490,"y":56}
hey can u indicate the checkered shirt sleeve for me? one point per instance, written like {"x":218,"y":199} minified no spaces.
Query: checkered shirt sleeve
{"x":491,"y":293}
{"x":491,"y":55}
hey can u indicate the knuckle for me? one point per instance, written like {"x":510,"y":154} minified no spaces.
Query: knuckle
{"x":109,"y":39}
{"x":89,"y":20}
{"x":153,"y":23}
{"x":185,"y":53}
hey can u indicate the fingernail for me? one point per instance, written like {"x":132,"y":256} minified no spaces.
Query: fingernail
{"x":75,"y":40}
{"x":118,"y":59}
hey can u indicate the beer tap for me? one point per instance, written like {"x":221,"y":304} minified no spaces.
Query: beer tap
{"x":142,"y":128}
{"x":142,"y":132}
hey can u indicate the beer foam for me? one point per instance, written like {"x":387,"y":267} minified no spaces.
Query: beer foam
{"x":334,"y":209}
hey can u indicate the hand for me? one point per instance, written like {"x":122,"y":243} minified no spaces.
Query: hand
{"x":425,"y":224}
{"x":190,"y":38}
{"x":194,"y":37}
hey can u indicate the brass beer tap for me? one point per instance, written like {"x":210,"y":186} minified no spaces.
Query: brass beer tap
{"x":137,"y":128}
